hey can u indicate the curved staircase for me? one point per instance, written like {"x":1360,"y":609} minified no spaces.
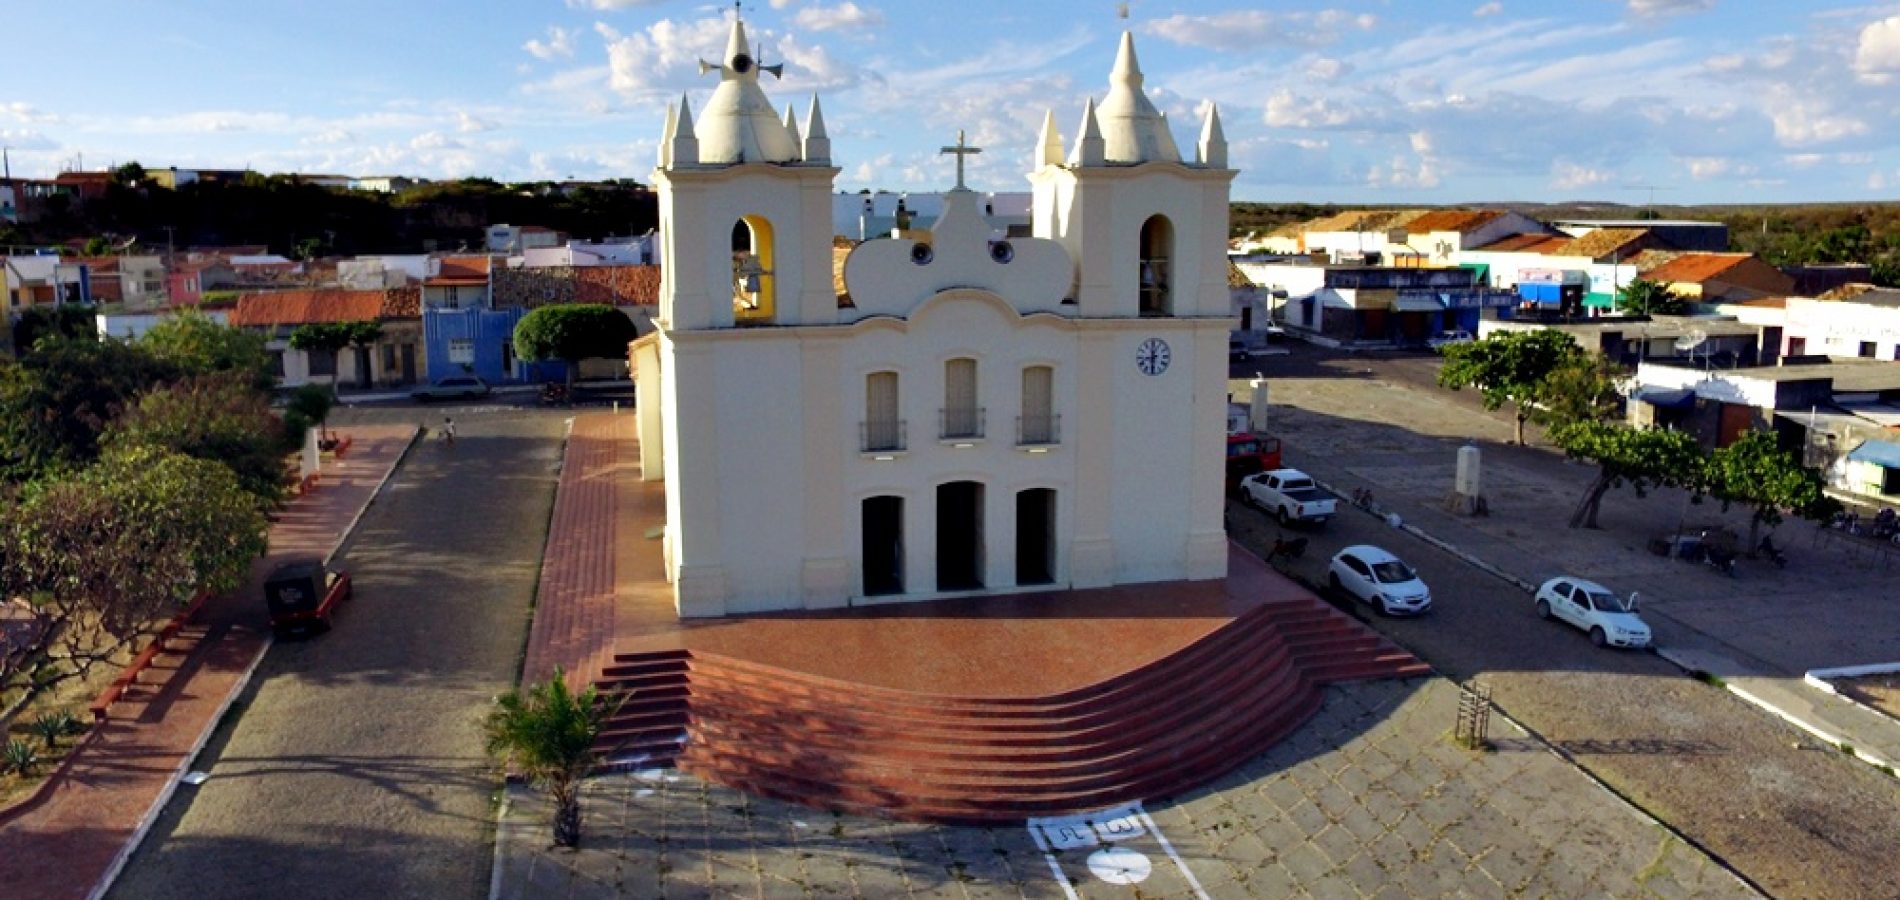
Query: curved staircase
{"x":1154,"y":731}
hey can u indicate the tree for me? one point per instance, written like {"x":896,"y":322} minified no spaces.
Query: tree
{"x":309,"y":405}
{"x":1507,"y":367}
{"x":1581,"y":389}
{"x":197,"y":344}
{"x":56,"y":401}
{"x":219,"y":418}
{"x":1642,"y":458}
{"x":573,"y":332}
{"x":1650,"y":298}
{"x":91,"y":562}
{"x":66,"y":321}
{"x":548,"y":734}
{"x":1756,"y":472}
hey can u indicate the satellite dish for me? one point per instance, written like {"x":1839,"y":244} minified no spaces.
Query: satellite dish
{"x":1692,"y":340}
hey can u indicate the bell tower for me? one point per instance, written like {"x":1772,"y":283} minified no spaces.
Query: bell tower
{"x":745,"y":206}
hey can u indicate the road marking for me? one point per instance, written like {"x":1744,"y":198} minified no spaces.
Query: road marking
{"x":1110,"y":837}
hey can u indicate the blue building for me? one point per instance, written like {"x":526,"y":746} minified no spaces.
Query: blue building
{"x":473,"y":341}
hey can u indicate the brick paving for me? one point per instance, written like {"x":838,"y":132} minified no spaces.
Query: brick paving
{"x":574,"y":622}
{"x":1368,"y":799}
{"x":63,"y":843}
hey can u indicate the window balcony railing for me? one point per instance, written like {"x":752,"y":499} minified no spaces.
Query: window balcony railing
{"x":960,"y":423}
{"x":881,"y":435}
{"x":1038,"y":431}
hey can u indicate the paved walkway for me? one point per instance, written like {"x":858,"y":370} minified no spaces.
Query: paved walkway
{"x":66,"y":842}
{"x":1369,"y":799}
{"x":574,"y":605}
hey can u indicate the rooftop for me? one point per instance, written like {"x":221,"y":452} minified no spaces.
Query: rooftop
{"x":1691,"y":268}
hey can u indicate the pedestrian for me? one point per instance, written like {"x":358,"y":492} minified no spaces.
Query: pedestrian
{"x":448,"y":430}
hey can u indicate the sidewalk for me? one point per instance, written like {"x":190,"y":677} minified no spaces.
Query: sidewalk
{"x":1758,"y":633}
{"x":72,"y":839}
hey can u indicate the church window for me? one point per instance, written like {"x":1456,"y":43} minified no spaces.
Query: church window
{"x":1001,"y":251}
{"x":921,"y":253}
{"x":883,"y":430}
{"x":1157,"y":267}
{"x":754,"y":281}
{"x":962,"y":417}
{"x":1038,"y":425}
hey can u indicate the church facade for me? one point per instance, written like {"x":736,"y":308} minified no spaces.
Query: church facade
{"x":974,"y":414}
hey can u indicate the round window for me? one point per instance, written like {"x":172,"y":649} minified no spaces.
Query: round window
{"x":921,"y":254}
{"x":1002,"y":252}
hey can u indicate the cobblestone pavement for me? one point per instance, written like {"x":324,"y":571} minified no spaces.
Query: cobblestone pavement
{"x":1369,"y":799}
{"x":1794,"y":815}
{"x":353,"y":766}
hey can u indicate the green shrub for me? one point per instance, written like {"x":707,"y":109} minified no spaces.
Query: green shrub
{"x":20,"y":757}
{"x":53,"y":726}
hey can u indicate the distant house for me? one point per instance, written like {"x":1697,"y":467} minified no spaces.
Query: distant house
{"x":1438,"y":237}
{"x":1714,"y":277}
{"x":1376,"y":304}
{"x":476,"y":341}
{"x":1686,"y":235}
{"x":386,"y":184}
{"x":456,"y":282}
{"x":516,"y":239}
{"x":392,"y":361}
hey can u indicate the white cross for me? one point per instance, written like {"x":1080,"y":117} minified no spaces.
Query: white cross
{"x":960,"y":151}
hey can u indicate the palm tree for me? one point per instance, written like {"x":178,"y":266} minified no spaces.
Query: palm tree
{"x":548,"y":736}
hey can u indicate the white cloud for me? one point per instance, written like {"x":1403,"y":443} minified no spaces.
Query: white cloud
{"x":1245,"y":29}
{"x":870,"y":172}
{"x":1879,"y":51}
{"x":1489,"y":9}
{"x":608,"y":5}
{"x":1648,"y":8}
{"x":1328,"y":69}
{"x":468,"y":124}
{"x":1703,"y":168}
{"x":559,"y":44}
{"x":1803,"y":120}
{"x":25,"y":140}
{"x":1569,"y":176}
{"x":845,"y":16}
{"x":1288,"y":110}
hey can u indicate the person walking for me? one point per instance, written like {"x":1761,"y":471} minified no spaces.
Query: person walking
{"x":448,"y":430}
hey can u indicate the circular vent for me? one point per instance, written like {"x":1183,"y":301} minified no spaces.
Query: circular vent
{"x":742,"y":63}
{"x":1002,"y":252}
{"x":921,"y":254}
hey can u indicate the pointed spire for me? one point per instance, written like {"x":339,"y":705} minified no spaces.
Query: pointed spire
{"x":667,"y":134}
{"x":736,"y":45}
{"x":1049,"y":145}
{"x":791,"y":125}
{"x":1127,"y":67}
{"x":1088,"y":146}
{"x":817,"y":142}
{"x":1213,"y":148}
{"x":685,"y":143}
{"x":1164,"y":138}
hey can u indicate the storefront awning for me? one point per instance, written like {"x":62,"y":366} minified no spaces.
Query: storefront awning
{"x":1885,"y":454}
{"x":1599,"y":301}
{"x":1417,"y":304}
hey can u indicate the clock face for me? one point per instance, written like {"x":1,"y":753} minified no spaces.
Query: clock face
{"x":1153,"y":356}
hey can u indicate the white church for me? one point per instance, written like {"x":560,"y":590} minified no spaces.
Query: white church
{"x":972,"y":415}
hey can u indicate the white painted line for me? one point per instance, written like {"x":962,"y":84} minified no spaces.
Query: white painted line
{"x":1855,"y":671}
{"x":501,"y":845}
{"x":1169,"y":846}
{"x":1048,"y":856}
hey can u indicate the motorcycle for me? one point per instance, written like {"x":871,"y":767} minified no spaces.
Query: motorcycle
{"x":554,"y":393}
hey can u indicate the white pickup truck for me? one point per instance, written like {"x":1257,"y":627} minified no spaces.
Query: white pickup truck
{"x":1288,"y":495}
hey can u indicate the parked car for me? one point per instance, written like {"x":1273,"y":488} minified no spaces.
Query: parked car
{"x":1288,"y":495}
{"x":460,"y":387}
{"x":1610,"y":620}
{"x":1447,"y":338}
{"x":1237,"y":350}
{"x":1372,"y":575}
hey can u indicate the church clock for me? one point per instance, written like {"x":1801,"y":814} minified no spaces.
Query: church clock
{"x":1153,"y":356}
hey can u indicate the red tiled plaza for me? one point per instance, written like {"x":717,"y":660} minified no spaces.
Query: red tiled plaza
{"x":978,"y":709}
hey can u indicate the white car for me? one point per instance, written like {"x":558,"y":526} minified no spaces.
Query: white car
{"x":1610,"y":620}
{"x":1373,"y":575}
{"x":1447,"y":338}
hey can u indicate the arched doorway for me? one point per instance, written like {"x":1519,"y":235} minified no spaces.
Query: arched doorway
{"x":1157,"y":266}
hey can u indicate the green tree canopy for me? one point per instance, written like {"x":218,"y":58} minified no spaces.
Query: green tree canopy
{"x":103,"y":556}
{"x":56,"y":401}
{"x":197,"y":344}
{"x":1755,"y":472}
{"x":573,"y":332}
{"x":1651,"y":298}
{"x":548,"y":734}
{"x":219,"y":418}
{"x":1509,"y":367}
{"x":66,"y":321}
{"x":1642,"y":458}
{"x":334,"y":336}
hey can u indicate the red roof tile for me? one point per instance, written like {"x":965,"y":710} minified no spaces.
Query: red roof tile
{"x":307,"y":307}
{"x":1462,"y":221}
{"x":1694,"y":268}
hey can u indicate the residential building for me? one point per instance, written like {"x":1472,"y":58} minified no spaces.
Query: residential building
{"x":1701,"y":341}
{"x":1860,"y":321}
{"x":1365,"y":304}
{"x":474,"y":341}
{"x":513,"y":240}
{"x":632,"y":251}
{"x":9,"y":204}
{"x":986,"y":415}
{"x":1714,"y":277}
{"x":386,"y":184}
{"x":1437,"y":238}
{"x":391,"y":361}
{"x":1815,"y":280}
{"x":456,"y":282}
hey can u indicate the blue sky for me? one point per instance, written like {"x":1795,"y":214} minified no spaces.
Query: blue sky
{"x":1362,"y":101}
